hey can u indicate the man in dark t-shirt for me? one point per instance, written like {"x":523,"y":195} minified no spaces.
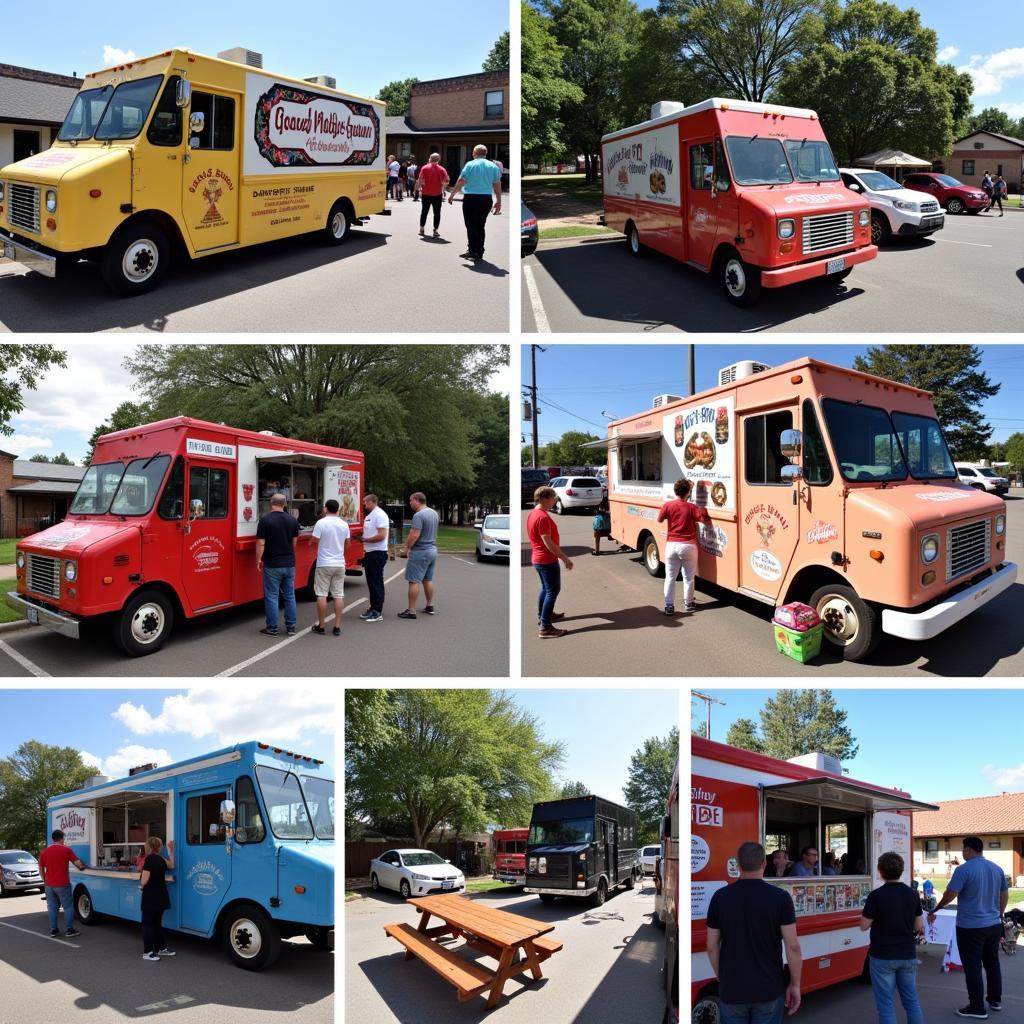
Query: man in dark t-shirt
{"x":748,"y":922}
{"x":276,"y":535}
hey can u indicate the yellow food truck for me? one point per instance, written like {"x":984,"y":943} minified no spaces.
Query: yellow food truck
{"x":186,"y":154}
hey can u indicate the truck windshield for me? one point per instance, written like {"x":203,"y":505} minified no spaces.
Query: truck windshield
{"x":570,"y":830}
{"x":319,"y":794}
{"x":864,"y":442}
{"x":758,"y":161}
{"x":282,"y":796}
{"x":812,"y":160}
{"x":139,"y":486}
{"x":97,"y":488}
{"x":924,"y":447}
{"x":110,"y":113}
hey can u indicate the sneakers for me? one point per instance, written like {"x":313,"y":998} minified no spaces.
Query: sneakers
{"x":995,"y":1006}
{"x":466,"y":255}
{"x":72,"y":933}
{"x":421,"y":230}
{"x":268,"y":632}
{"x":555,"y":617}
{"x":166,"y":952}
{"x":54,"y":933}
{"x":670,"y":609}
{"x":366,"y":614}
{"x":406,"y":614}
{"x":290,"y":631}
{"x":437,"y":234}
{"x":318,"y":629}
{"x":429,"y":609}
{"x":151,"y":957}
{"x":690,"y":608}
{"x":336,"y":631}
{"x":551,"y":631}
{"x":375,"y":617}
{"x":967,"y":1011}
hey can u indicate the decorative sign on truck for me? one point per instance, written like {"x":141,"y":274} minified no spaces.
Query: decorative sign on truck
{"x":645,"y":168}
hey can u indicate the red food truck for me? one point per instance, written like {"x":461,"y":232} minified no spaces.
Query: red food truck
{"x":737,"y":796}
{"x":164,"y":525}
{"x":747,"y":191}
{"x":510,"y":855}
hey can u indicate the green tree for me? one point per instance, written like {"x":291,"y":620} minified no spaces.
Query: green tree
{"x":699,"y":730}
{"x":124,"y":417}
{"x":497,"y":59}
{"x":1015,"y":451}
{"x":991,"y":119}
{"x":796,"y":722}
{"x":28,"y":778}
{"x":566,"y":451}
{"x":60,"y":459}
{"x":650,"y":779}
{"x":21,"y":368}
{"x":570,"y":789}
{"x":952,"y":373}
{"x":396,"y":96}
{"x":449,"y":756}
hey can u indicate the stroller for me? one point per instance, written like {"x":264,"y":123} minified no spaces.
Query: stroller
{"x":1013,"y":925}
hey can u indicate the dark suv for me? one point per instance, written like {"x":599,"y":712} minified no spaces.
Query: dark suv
{"x":954,"y":195}
{"x":532,"y":479}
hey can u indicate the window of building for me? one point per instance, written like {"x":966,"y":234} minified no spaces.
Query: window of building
{"x":210,"y":486}
{"x":218,"y":131}
{"x":968,"y":167}
{"x":494,"y":103}
{"x":701,"y":169}
{"x":203,"y":826}
{"x":931,"y":851}
{"x":763,"y":460}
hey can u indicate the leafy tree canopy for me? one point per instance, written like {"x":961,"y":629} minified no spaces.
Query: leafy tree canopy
{"x":60,"y":459}
{"x":566,"y":451}
{"x":497,"y":59}
{"x":21,"y":369}
{"x":571,"y":789}
{"x":396,"y":96}
{"x":796,"y":722}
{"x":545,"y":89}
{"x":1015,"y":450}
{"x":650,"y":780}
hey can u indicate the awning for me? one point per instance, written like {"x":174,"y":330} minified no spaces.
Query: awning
{"x":892,"y":158}
{"x":621,"y":439}
{"x":596,"y":444}
{"x":304,"y":459}
{"x":847,"y":794}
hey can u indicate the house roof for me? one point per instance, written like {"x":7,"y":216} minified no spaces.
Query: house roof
{"x":7,"y":455}
{"x":995,"y":135}
{"x":403,"y":126}
{"x":979,"y":815}
{"x":35,"y":97}
{"x":47,"y":471}
{"x":46,"y":487}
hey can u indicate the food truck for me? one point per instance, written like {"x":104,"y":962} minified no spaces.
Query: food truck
{"x":737,"y":796}
{"x":187,"y":155}
{"x":253,"y":832}
{"x":666,"y":896}
{"x":164,"y":526}
{"x":749,"y":192}
{"x":823,"y":485}
{"x":582,"y":846}
{"x":510,"y":855}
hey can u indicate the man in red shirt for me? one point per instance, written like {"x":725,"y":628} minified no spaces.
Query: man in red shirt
{"x":432,"y":180}
{"x":53,"y":863}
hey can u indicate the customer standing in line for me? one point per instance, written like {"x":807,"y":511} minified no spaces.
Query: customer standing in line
{"x":155,"y":897}
{"x":376,"y":530}
{"x":545,"y":554}
{"x":276,"y":538}
{"x":53,"y":864}
{"x":331,"y":535}
{"x":421,"y":549}
{"x":478,"y":180}
{"x":999,"y":192}
{"x":681,"y":544}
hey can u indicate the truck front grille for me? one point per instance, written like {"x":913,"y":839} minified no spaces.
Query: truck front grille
{"x":558,"y":867}
{"x":968,"y":548}
{"x":44,"y":575}
{"x":23,"y":211}
{"x":827,"y":231}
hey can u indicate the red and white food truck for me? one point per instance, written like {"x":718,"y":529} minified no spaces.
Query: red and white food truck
{"x":164,"y":525}
{"x":747,"y":191}
{"x":737,"y":796}
{"x":823,"y":485}
{"x":510,"y":855}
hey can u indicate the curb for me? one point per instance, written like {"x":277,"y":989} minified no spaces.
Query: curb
{"x":14,"y":627}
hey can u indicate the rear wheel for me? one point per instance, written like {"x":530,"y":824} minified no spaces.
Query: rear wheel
{"x":319,"y":936}
{"x":955,"y":205}
{"x":558,"y":507}
{"x":880,"y":230}
{"x":707,"y":1010}
{"x":740,"y":282}
{"x":84,"y":910}
{"x":250,"y":938}
{"x":338,"y":224}
{"x":636,"y":249}
{"x":134,"y":259}
{"x":652,"y":558}
{"x":144,"y":624}
{"x":852,"y":626}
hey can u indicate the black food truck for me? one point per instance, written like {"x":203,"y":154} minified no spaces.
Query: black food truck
{"x":582,"y":846}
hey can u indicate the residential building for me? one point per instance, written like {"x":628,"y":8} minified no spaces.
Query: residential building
{"x":33,"y":105}
{"x":975,"y":154}
{"x":34,"y":495}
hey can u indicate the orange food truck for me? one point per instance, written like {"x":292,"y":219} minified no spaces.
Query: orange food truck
{"x":823,"y":485}
{"x":749,"y":192}
{"x":737,"y":796}
{"x":164,"y":525}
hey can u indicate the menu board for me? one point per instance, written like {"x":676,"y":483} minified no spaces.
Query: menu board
{"x":826,"y":896}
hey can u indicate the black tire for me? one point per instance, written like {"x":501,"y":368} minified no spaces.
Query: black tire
{"x":955,"y":206}
{"x":144,"y":623}
{"x":636,"y":248}
{"x":852,"y":626}
{"x":978,"y":487}
{"x":479,"y":557}
{"x":338,"y":225}
{"x":652,"y":559}
{"x":250,"y":938}
{"x":559,"y":510}
{"x":319,"y":936}
{"x":600,"y":894}
{"x":708,"y":1010}
{"x":547,"y":897}
{"x":740,"y":282}
{"x":3,"y":891}
{"x":135,"y":258}
{"x":405,"y":889}
{"x":374,"y":882}
{"x":880,"y":230}
{"x":85,"y":912}
{"x":631,"y":881}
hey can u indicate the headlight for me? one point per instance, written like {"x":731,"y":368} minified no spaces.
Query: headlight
{"x":904,"y":204}
{"x":19,"y":559}
{"x":929,"y":548}
{"x":532,"y":865}
{"x":1000,"y":525}
{"x":787,"y":228}
{"x":542,"y":865}
{"x":864,"y":218}
{"x":1,"y":191}
{"x":51,"y":200}
{"x":70,"y":571}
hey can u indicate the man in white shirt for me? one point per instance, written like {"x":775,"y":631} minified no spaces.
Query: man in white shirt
{"x":376,"y":529}
{"x":331,"y":536}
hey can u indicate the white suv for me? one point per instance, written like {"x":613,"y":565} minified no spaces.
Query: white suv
{"x":577,"y":492}
{"x":981,"y":477}
{"x":895,"y":210}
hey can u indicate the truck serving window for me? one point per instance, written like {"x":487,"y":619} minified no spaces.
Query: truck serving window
{"x":817,"y":465}
{"x":924,"y":447}
{"x":249,"y":827}
{"x":838,"y":834}
{"x":812,"y":160}
{"x":319,"y":794}
{"x":762,"y":458}
{"x":640,"y":461}
{"x":139,"y":486}
{"x":282,"y":796}
{"x":569,"y":830}
{"x":97,"y":488}
{"x":866,"y":447}
{"x":218,"y":121}
{"x":758,"y":161}
{"x":128,"y":109}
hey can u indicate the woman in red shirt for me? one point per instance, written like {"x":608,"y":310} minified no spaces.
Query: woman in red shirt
{"x":545,"y":555}
{"x":432,"y":180}
{"x":681,"y":546}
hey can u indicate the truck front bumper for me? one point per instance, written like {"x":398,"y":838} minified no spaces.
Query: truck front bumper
{"x":561,"y":892}
{"x":28,"y":256}
{"x":42,"y":615}
{"x":930,"y":623}
{"x":817,"y":268}
{"x":509,"y":878}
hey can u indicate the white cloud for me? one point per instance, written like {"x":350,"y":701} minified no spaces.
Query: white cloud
{"x":948,"y":52}
{"x":126,"y":757}
{"x":25,"y":444}
{"x":113,"y":55}
{"x":501,"y":380}
{"x":1005,"y":779}
{"x":992,"y":72}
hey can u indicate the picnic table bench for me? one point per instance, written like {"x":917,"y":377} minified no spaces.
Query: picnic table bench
{"x":516,"y":942}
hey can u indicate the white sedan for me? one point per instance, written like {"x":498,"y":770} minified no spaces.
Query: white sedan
{"x":495,"y":540}
{"x":414,"y":873}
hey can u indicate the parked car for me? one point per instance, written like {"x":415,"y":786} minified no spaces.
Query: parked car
{"x":494,"y":539}
{"x":19,"y":872}
{"x":577,"y":492}
{"x":414,"y":873}
{"x":528,"y":232}
{"x":649,"y":857}
{"x":984,"y":478}
{"x":532,"y":479}
{"x":954,"y":195}
{"x":895,"y":210}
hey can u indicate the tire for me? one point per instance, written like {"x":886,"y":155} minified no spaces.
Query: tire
{"x":740,"y":282}
{"x":320,"y":937}
{"x":374,"y":882}
{"x":405,"y":889}
{"x":955,"y":206}
{"x":630,"y":882}
{"x":636,"y":248}
{"x":881,"y":232}
{"x":134,"y":259}
{"x":600,"y":895}
{"x":559,"y":510}
{"x":547,"y":897}
{"x":479,"y":557}
{"x":852,"y":626}
{"x":338,"y":225}
{"x":250,"y":938}
{"x":707,"y":1010}
{"x":652,"y":559}
{"x":85,"y":912}
{"x":3,"y":891}
{"x":144,"y":624}
{"x":978,"y":487}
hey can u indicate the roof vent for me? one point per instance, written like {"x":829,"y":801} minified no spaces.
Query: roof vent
{"x":325,"y":80}
{"x":240,"y":55}
{"x":664,"y":107}
{"x":659,"y":401}
{"x":819,"y":762}
{"x":139,"y":769}
{"x":737,"y":371}
{"x":269,"y":433}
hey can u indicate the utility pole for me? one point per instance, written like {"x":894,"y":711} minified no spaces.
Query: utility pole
{"x":533,"y":400}
{"x":708,"y":701}
{"x":692,"y":370}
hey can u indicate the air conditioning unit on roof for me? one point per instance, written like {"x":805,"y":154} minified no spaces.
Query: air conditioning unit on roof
{"x":819,"y":762}
{"x":659,"y":401}
{"x":744,"y":368}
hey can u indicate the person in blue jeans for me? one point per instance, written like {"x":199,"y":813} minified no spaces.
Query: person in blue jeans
{"x":276,"y":536}
{"x":893,"y":913}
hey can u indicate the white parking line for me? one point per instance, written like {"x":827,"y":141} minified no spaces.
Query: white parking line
{"x":466,"y":560}
{"x":540,"y":318}
{"x":953,"y":241}
{"x":49,"y":938}
{"x":24,"y":662}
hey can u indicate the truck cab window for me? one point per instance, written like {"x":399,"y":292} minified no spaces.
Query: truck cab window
{"x":210,"y":486}
{"x":762,"y":459}
{"x":218,"y":130}
{"x":165,"y":127}
{"x":865,"y":444}
{"x":816,"y":464}
{"x":203,"y":826}
{"x":249,"y":826}
{"x":128,"y":109}
{"x":722,"y":179}
{"x":139,"y":485}
{"x":172,"y":501}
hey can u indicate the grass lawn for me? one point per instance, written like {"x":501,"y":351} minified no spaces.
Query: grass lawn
{"x":8,"y":614}
{"x":1016,"y":895}
{"x":486,"y":885}
{"x":574,"y":185}
{"x":7,"y":550}
{"x":456,"y":539}
{"x":574,"y":232}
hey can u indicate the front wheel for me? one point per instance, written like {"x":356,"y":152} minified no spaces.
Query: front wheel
{"x":250,"y":938}
{"x":547,"y":897}
{"x":708,"y":1010}
{"x":144,"y":623}
{"x":338,"y":224}
{"x":134,"y":259}
{"x":319,"y":936}
{"x":955,"y":206}
{"x":405,"y":889}
{"x":600,"y":894}
{"x":852,"y":626}
{"x":740,"y":282}
{"x":652,"y":559}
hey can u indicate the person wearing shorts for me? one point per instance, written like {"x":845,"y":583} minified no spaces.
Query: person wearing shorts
{"x":331,"y":536}
{"x":421,"y":549}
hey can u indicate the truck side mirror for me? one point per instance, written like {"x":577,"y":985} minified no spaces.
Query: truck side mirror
{"x":183,"y":93}
{"x":790,"y":474}
{"x":790,"y":443}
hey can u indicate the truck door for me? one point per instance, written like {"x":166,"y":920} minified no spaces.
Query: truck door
{"x":607,"y":841}
{"x":203,"y":862}
{"x":769,"y":525}
{"x":210,"y":185}
{"x":700,"y":208}
{"x":207,"y":536}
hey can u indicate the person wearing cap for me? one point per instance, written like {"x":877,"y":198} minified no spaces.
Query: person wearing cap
{"x":54,"y":862}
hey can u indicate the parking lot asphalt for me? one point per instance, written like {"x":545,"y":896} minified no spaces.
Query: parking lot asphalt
{"x":967,"y":277}
{"x":608,"y":971}
{"x":99,"y":976}
{"x":616,"y":628}
{"x":383,"y":278}
{"x":468,"y":636}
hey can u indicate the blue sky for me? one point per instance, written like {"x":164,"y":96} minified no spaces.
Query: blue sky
{"x":356,"y":42}
{"x":935,"y":744}
{"x":621,"y":380}
{"x":601,"y":729}
{"x":115,"y":730}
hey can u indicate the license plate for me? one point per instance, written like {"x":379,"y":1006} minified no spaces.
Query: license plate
{"x":834,"y":266}
{"x":447,"y":884}
{"x":32,"y":614}
{"x":8,"y":250}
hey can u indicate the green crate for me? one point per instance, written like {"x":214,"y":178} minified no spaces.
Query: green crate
{"x":800,"y":646}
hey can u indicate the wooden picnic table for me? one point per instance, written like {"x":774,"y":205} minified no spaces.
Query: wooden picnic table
{"x":516,"y":942}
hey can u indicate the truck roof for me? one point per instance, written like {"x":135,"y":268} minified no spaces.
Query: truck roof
{"x":580,"y":799}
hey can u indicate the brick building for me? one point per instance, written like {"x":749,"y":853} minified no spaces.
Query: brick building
{"x":452,"y":115}
{"x":34,"y":495}
{"x":986,"y":151}
{"x":32,"y":108}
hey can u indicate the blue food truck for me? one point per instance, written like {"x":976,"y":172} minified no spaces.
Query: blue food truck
{"x":253,"y":831}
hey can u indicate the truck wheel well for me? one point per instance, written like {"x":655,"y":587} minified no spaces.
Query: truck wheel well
{"x":723,"y":252}
{"x":346,"y":204}
{"x":161,"y":588}
{"x":232,"y":905}
{"x":709,"y":990}
{"x":164,"y":221}
{"x":641,"y":539}
{"x":808,"y":579}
